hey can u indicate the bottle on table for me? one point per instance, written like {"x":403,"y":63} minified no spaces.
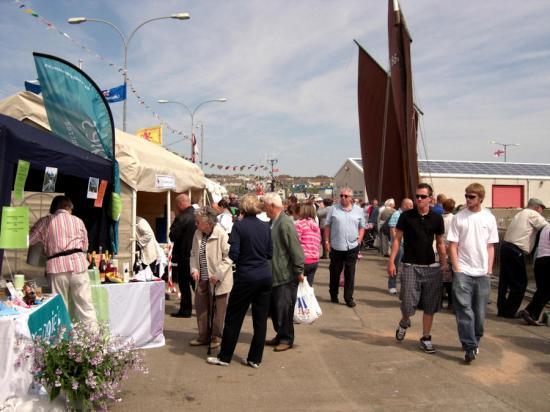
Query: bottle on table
{"x":92,"y":261}
{"x":102,"y":265}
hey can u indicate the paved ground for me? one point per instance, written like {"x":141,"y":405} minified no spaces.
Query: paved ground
{"x":349,"y":361}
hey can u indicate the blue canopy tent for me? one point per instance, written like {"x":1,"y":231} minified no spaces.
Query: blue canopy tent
{"x":75,"y":166}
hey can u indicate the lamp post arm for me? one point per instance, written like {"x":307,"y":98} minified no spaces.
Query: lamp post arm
{"x":142,"y":24}
{"x":120,"y":33}
{"x":202,"y":104}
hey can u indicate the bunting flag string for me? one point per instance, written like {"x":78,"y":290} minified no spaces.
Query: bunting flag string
{"x":27,"y":9}
{"x":234,"y":168}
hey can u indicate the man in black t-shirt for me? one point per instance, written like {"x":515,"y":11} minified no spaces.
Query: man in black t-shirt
{"x":421,"y":278}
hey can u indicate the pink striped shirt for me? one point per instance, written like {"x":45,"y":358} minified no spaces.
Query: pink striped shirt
{"x":310,"y":239}
{"x":60,"y":232}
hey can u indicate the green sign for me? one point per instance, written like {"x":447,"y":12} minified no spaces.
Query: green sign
{"x":20,"y":179}
{"x":46,"y":321}
{"x":14,"y":232}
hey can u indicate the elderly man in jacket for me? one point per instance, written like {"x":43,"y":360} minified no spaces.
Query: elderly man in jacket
{"x":287,"y":266}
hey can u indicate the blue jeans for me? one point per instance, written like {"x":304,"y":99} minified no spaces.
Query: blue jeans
{"x":392,"y":282}
{"x":470,"y":298}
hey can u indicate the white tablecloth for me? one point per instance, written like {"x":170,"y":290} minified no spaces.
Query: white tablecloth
{"x":15,"y":380}
{"x":136,"y":311}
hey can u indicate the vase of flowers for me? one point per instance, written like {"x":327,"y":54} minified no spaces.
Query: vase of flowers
{"x":86,"y":364}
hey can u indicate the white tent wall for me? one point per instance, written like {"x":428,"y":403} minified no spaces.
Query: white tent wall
{"x":140,"y":163}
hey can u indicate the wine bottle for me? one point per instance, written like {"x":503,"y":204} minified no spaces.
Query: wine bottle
{"x":92,"y":261}
{"x":102,"y":265}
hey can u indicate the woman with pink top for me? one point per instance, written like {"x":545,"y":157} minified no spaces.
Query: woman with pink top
{"x":310,"y":239}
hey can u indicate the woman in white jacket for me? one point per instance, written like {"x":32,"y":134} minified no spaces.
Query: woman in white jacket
{"x":211,"y":270}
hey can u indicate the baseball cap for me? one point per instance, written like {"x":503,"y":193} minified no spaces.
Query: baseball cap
{"x":535,"y":202}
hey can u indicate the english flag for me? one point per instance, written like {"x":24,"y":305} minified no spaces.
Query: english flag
{"x":499,"y":153}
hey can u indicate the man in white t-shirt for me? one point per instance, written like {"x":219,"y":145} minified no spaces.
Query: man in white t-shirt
{"x":471,"y":238}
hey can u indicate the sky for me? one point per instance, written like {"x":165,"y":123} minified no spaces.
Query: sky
{"x":288,"y":70}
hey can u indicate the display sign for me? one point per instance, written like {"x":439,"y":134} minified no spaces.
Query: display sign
{"x":100,"y":194}
{"x":20,"y":179}
{"x":50,"y":177}
{"x":49,"y":318}
{"x":165,"y":182}
{"x":14,"y":232}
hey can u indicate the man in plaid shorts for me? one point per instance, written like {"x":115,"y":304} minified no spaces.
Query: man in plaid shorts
{"x":421,"y":278}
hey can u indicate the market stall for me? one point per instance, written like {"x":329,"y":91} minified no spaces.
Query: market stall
{"x":151,"y":176}
{"x":74,"y":167}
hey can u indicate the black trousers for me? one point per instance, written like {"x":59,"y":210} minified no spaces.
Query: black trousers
{"x":283,"y":300}
{"x":241,"y":297}
{"x":542,"y":295}
{"x":512,"y":282}
{"x":342,"y":260}
{"x":186,"y":284}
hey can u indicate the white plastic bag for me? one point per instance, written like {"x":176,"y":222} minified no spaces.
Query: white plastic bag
{"x":307,"y":309}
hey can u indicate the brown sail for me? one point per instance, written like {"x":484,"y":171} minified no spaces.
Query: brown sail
{"x":379,"y":134}
{"x":402,"y":91}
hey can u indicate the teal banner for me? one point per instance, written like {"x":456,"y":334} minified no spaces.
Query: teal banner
{"x":79,"y":113}
{"x":46,"y":321}
{"x":77,"y":110}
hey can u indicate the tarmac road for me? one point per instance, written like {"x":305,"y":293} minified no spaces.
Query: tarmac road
{"x":349,"y":360}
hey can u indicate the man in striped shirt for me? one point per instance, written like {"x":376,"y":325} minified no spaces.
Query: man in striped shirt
{"x":65,"y":241}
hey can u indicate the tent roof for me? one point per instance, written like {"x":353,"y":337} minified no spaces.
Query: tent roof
{"x":140,"y":161}
{"x":42,"y":148}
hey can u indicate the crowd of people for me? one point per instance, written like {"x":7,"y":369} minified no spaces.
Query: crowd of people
{"x":255,"y":252}
{"x":235,"y":254}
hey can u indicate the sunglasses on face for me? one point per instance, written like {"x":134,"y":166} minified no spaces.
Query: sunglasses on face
{"x":345,"y":196}
{"x":422,"y":196}
{"x":470,"y":196}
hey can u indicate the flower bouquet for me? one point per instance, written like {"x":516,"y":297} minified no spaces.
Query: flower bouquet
{"x":86,"y":364}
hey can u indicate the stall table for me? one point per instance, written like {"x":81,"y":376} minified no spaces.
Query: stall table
{"x":134,"y":311}
{"x":43,"y":320}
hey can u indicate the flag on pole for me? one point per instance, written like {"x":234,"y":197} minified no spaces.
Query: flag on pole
{"x":116,"y":94}
{"x":33,"y":86}
{"x":499,"y":153}
{"x":152,"y":134}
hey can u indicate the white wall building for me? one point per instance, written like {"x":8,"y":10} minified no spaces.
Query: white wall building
{"x":507,"y":185}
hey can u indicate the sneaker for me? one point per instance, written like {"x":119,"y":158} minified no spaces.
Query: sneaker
{"x":426,"y":344}
{"x":401,"y":331}
{"x":197,"y":342}
{"x":334,"y":299}
{"x":216,"y":361}
{"x":470,"y":355}
{"x":249,"y":363}
{"x":351,"y":304}
{"x":393,"y":291}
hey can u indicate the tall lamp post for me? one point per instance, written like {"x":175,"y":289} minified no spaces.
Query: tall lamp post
{"x":200,"y":126}
{"x":126,"y":42}
{"x":505,"y":146}
{"x":192,"y":115}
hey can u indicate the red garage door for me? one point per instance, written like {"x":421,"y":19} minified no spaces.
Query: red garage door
{"x":508,"y":196}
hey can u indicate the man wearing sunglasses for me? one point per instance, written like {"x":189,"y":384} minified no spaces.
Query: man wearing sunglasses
{"x":472,"y":237}
{"x":421,"y":278}
{"x":344,"y":230}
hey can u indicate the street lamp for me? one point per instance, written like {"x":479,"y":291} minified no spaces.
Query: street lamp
{"x":192,"y":116}
{"x":126,"y":42}
{"x":200,"y":125}
{"x":505,"y":146}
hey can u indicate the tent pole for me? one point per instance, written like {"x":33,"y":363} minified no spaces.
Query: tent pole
{"x":168,"y":215}
{"x":133,"y":230}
